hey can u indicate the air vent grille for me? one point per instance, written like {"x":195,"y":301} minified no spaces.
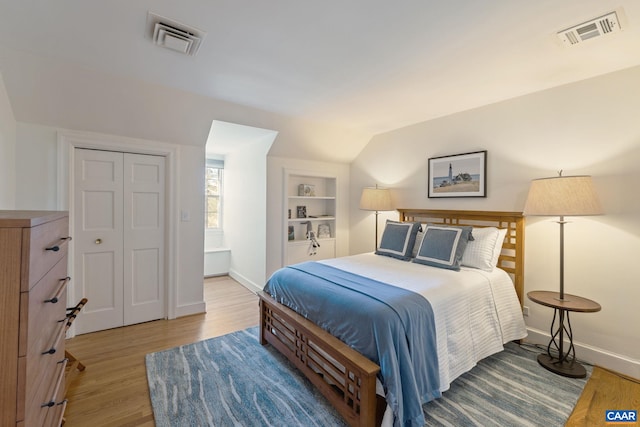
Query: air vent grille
{"x":597,"y":27}
{"x":173,"y":35}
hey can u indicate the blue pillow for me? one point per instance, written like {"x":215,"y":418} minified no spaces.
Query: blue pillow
{"x":443,"y":246}
{"x":398,"y":239}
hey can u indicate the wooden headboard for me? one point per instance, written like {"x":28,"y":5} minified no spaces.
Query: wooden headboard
{"x":512,"y":257}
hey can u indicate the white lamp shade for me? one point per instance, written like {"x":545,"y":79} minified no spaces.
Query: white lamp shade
{"x":562,"y":196}
{"x":375,"y":199}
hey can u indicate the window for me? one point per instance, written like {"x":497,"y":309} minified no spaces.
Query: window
{"x":213,"y":193}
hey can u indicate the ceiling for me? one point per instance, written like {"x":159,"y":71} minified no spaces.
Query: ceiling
{"x":365,"y":66}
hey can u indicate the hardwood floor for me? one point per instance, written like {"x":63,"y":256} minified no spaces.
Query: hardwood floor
{"x":113,"y":391}
{"x":604,"y":390}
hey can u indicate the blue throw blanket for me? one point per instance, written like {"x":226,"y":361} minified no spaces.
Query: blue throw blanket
{"x":391,"y":326}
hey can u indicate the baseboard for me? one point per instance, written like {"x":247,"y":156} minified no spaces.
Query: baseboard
{"x":189,"y":309}
{"x":253,"y":287}
{"x":592,"y":355}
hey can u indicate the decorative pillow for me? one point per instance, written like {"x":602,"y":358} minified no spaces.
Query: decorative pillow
{"x":420,"y":236}
{"x":443,"y":246}
{"x":398,"y":239}
{"x":484,"y":250}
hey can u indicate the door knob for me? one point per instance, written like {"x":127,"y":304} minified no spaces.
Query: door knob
{"x":98,"y":241}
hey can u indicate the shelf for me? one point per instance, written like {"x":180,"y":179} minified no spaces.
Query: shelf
{"x":312,"y":197}
{"x":320,"y":240}
{"x":320,"y":218}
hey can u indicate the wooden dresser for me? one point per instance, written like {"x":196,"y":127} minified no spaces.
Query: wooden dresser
{"x":33,"y":280}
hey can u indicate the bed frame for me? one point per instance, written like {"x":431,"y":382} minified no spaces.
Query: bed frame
{"x":345,"y":377}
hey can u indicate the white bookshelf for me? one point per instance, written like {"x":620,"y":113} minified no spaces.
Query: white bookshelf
{"x":319,"y":208}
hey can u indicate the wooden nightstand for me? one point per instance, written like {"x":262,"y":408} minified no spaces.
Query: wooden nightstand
{"x":565,"y":364}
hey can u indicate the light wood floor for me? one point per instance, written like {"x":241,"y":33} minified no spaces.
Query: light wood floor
{"x":113,"y":390}
{"x":604,"y":390}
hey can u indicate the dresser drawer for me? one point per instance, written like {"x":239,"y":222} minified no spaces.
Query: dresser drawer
{"x":46,"y":400}
{"x":42,"y":247}
{"x":43,"y":310}
{"x":37,"y":379}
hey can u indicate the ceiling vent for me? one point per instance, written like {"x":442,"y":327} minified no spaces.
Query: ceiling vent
{"x":597,"y":27}
{"x":173,"y":35}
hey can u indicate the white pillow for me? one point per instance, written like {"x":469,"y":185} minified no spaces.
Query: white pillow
{"x":502,"y":233}
{"x":483,"y":252}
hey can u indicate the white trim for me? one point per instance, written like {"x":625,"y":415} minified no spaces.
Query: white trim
{"x":592,"y":355}
{"x":68,"y":140}
{"x":244,"y":281}
{"x":216,"y":250}
{"x":189,"y":309}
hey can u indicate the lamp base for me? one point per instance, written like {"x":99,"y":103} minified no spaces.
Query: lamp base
{"x":570,"y":369}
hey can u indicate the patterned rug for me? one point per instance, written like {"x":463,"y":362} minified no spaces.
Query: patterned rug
{"x":234,"y":381}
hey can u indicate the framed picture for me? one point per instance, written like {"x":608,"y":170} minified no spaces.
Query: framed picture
{"x":324,"y":231}
{"x":291,"y":234}
{"x":307,"y":190}
{"x":458,"y":175}
{"x":301,"y":211}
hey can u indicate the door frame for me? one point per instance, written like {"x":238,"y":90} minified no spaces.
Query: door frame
{"x":69,"y":140}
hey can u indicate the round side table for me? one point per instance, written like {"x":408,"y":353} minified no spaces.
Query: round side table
{"x":565,"y":363}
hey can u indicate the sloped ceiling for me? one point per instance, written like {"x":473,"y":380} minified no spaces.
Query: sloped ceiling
{"x":325,"y":75}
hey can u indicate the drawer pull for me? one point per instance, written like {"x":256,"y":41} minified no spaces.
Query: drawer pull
{"x":56,"y":248}
{"x":62,"y":287}
{"x":52,"y":401}
{"x":52,"y":349}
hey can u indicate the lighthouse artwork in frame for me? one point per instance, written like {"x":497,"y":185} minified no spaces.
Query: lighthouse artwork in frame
{"x":458,"y":175}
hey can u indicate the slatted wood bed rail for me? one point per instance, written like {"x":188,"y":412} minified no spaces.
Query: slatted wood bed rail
{"x":344,"y":376}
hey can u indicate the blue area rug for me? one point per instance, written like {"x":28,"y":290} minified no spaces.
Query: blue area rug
{"x":234,"y":381}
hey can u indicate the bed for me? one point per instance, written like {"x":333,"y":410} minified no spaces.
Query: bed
{"x":349,"y":378}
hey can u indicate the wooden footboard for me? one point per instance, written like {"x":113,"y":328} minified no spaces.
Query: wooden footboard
{"x":345,"y":377}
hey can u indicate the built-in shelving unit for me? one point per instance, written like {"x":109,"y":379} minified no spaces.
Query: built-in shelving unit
{"x":309,"y":204}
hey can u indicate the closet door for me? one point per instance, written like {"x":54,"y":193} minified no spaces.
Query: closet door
{"x":143,"y":238}
{"x":119,"y":204}
{"x":98,"y":238}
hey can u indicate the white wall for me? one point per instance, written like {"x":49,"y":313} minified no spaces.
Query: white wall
{"x":245,"y":216}
{"x":190,"y":198}
{"x":36,"y":167}
{"x":7,"y":151}
{"x":589,"y":127}
{"x":36,"y":188}
{"x":276,"y":234}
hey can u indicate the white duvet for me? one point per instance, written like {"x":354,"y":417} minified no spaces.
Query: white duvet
{"x":475,"y":311}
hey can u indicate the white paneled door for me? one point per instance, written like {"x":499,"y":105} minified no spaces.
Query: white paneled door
{"x":118,"y":238}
